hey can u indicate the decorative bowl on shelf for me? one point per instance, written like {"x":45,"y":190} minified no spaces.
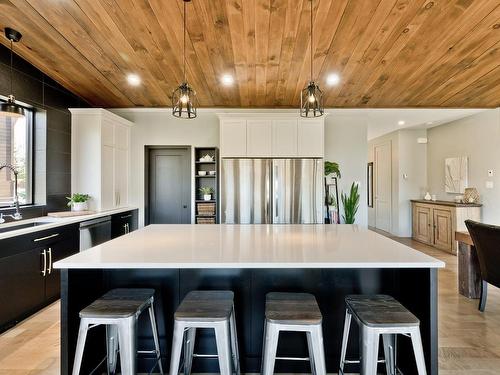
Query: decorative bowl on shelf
{"x":211,"y":173}
{"x":206,"y":158}
{"x":202,"y":173}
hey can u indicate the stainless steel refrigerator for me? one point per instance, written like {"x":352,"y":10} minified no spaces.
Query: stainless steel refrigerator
{"x":265,"y":191}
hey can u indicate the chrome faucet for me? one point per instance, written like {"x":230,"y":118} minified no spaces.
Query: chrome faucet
{"x":17,"y":215}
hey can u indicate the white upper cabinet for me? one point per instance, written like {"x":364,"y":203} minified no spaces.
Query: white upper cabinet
{"x":100,"y":153}
{"x":310,"y":138}
{"x":233,"y":138}
{"x":259,"y":135}
{"x":284,"y":138}
{"x":270,"y":135}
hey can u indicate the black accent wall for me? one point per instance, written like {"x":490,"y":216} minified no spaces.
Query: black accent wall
{"x":33,"y":87}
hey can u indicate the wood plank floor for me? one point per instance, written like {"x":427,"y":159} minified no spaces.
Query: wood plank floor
{"x":469,"y":342}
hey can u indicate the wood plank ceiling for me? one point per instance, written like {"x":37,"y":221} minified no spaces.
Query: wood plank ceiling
{"x":388,"y":53}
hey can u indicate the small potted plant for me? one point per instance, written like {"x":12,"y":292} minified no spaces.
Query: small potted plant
{"x":78,"y":202}
{"x":207,"y":192}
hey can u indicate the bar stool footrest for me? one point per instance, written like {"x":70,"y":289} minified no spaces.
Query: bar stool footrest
{"x":293,"y":358}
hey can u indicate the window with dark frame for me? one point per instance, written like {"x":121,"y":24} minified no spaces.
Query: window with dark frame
{"x":16,"y":144}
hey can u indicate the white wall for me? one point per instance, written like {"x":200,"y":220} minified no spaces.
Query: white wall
{"x":346,"y":144}
{"x":159,"y":127}
{"x":477,"y":137}
{"x":408,"y":157}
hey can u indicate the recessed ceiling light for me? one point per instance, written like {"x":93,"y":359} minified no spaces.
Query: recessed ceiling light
{"x":133,"y":79}
{"x":429,"y":123}
{"x":401,"y":122}
{"x":333,"y":79}
{"x":227,"y":80}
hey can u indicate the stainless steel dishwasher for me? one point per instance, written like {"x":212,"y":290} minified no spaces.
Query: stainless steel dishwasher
{"x":95,"y":232}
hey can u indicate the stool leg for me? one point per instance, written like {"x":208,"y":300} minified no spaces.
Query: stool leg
{"x":80,"y":346}
{"x":234,"y":343}
{"x":154,"y":329}
{"x":345,"y":339}
{"x":418,"y":350}
{"x":269,"y":348}
{"x":369,"y":351}
{"x":175,"y":356}
{"x":112,"y":347}
{"x":128,"y":345}
{"x":189,"y":342}
{"x":311,"y":350}
{"x":223,"y":339}
{"x":390,"y":353}
{"x":318,"y":352}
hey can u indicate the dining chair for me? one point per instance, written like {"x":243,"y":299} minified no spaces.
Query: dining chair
{"x":486,"y":240}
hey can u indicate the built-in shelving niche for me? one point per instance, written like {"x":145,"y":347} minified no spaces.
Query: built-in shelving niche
{"x":206,"y":212}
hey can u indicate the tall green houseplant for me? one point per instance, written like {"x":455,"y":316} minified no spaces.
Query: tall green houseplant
{"x":351,"y":204}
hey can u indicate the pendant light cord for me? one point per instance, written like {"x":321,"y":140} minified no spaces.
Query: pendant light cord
{"x":312,"y":40}
{"x":184,"y":41}
{"x":11,"y":63}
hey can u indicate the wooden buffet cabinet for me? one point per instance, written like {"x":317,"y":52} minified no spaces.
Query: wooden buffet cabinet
{"x":435,"y":222}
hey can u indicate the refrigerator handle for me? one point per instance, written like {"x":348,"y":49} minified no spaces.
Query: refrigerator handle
{"x":276,"y":213}
{"x":267,"y":211}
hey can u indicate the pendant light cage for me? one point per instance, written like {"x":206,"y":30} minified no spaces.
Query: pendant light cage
{"x":10,"y":108}
{"x":311,"y":97}
{"x":184,"y":100}
{"x":311,"y":100}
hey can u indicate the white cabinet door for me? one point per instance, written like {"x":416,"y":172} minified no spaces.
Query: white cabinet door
{"x":284,"y":138}
{"x":259,"y":138}
{"x":121,"y":177}
{"x":107,"y":178}
{"x":121,"y":136}
{"x":310,"y":141}
{"x":107,"y":132}
{"x":233,"y":140}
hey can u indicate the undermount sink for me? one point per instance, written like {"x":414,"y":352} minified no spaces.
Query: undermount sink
{"x":10,"y":228}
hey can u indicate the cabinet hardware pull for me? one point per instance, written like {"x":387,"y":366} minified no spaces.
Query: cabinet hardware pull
{"x":128,"y":228}
{"x":46,"y":238}
{"x":125,"y":216}
{"x":50,"y":261}
{"x":44,"y":271}
{"x":124,"y":228}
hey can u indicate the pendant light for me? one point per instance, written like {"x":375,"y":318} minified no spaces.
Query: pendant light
{"x":184,"y":97}
{"x":311,"y":98}
{"x":10,"y":108}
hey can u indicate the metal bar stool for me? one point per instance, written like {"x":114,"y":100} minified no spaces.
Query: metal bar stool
{"x":380,"y":315}
{"x":295,"y":312}
{"x":206,"y":309}
{"x":119,"y":310}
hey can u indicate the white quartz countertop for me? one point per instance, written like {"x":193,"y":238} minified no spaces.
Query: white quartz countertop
{"x":250,"y":246}
{"x":53,"y":222}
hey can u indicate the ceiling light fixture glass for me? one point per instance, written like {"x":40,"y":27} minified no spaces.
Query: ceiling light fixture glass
{"x":227,"y":80}
{"x":311,"y":98}
{"x":11,"y":108}
{"x":184,"y":97}
{"x":133,"y":79}
{"x":401,"y":122}
{"x":333,"y":79}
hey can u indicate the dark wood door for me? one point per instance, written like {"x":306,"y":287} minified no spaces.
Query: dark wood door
{"x":58,"y":250}
{"x":22,"y":285}
{"x":169,"y":195}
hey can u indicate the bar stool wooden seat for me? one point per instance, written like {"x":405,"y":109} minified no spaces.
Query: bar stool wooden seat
{"x":206,"y":309}
{"x":380,"y":315}
{"x":119,"y":310}
{"x":295,"y":312}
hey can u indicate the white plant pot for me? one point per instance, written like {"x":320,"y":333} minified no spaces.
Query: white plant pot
{"x":79,"y":206}
{"x":207,"y":197}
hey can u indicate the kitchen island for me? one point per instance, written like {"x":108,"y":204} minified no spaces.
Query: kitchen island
{"x":329,"y":261}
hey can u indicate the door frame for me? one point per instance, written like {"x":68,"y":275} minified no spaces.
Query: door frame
{"x":375,"y":180}
{"x":147,"y":152}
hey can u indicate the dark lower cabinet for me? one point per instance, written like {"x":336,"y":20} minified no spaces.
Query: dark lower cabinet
{"x":124,"y":223}
{"x":28,"y":281}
